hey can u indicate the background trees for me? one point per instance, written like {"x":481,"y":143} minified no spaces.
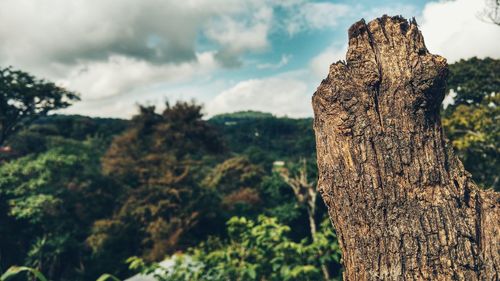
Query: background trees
{"x":49,"y":201}
{"x":23,"y":98}
{"x":471,"y":121}
{"x":254,"y":250}
{"x":91,"y":192}
{"x":236,"y":181}
{"x":491,"y":12}
{"x":160,"y":160}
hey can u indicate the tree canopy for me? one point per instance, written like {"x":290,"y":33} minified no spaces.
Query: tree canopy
{"x":471,"y":120}
{"x":23,"y":98}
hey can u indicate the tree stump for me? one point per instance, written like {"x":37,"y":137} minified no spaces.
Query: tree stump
{"x":403,"y":206}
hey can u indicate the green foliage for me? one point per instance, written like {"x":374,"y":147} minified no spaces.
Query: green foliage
{"x":258,"y":250}
{"x":236,"y":182}
{"x":53,"y":130}
{"x":106,"y":277}
{"x":266,"y":139}
{"x":471,"y":121}
{"x":160,"y":159}
{"x":234,"y":173}
{"x":23,"y":98}
{"x":249,"y":114}
{"x":79,"y":195}
{"x":280,"y":202}
{"x":77,"y":127}
{"x":17,"y":270}
{"x":473,"y":80}
{"x":51,"y":199}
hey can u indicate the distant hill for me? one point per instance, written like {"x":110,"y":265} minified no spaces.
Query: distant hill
{"x":79,"y":127}
{"x":260,"y":136}
{"x":249,"y":114}
{"x":265,"y":138}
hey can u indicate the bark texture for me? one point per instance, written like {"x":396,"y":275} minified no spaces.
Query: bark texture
{"x":403,"y":206}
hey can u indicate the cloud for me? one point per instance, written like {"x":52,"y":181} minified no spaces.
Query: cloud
{"x":405,"y":10}
{"x":125,"y":105}
{"x":320,"y":64}
{"x":104,"y":108}
{"x":452,"y":29}
{"x":237,"y":35}
{"x":118,"y":47}
{"x":67,"y":31}
{"x":283,"y":61}
{"x":36,"y":34}
{"x":278,"y":95}
{"x":120,"y":74}
{"x":120,"y":52}
{"x":317,"y":15}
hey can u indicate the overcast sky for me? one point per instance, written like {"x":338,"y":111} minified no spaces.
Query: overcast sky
{"x":230,"y":55}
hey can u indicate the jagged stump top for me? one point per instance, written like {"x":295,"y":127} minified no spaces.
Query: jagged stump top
{"x":387,"y":55}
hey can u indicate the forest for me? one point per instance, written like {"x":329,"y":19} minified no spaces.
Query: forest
{"x":178,"y":196}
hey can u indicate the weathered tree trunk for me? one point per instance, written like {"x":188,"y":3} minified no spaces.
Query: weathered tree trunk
{"x":403,"y":206}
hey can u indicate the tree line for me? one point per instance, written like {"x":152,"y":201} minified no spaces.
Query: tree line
{"x":228,"y":198}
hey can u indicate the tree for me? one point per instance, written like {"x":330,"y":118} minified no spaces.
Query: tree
{"x":162,"y":148}
{"x":235,"y":181}
{"x":491,"y":12}
{"x":473,"y":81}
{"x":306,"y":195}
{"x":402,"y":203}
{"x":264,"y":138}
{"x":255,"y":250}
{"x":23,"y":98}
{"x":471,"y":121}
{"x":49,"y":201}
{"x":161,"y":160}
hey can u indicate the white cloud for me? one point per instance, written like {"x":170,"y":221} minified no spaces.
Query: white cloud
{"x":285,"y":58}
{"x":104,"y":108}
{"x":120,"y":52}
{"x":406,"y":10}
{"x":121,"y":47}
{"x":125,"y":106}
{"x":105,"y":49}
{"x":320,"y":64}
{"x":317,"y":15}
{"x":119,"y":75}
{"x":69,"y":30}
{"x":452,"y":29}
{"x":278,"y":95}
{"x":237,"y":35}
{"x":37,"y":34}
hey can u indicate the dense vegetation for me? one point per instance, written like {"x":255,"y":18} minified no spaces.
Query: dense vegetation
{"x":80,"y":196}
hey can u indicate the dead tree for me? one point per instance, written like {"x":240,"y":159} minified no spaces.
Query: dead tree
{"x":403,"y":206}
{"x":306,"y":195}
{"x":491,"y":12}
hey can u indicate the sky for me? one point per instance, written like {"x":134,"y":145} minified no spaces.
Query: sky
{"x":229,"y":55}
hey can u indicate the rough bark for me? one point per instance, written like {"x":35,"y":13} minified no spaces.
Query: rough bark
{"x":403,"y":206}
